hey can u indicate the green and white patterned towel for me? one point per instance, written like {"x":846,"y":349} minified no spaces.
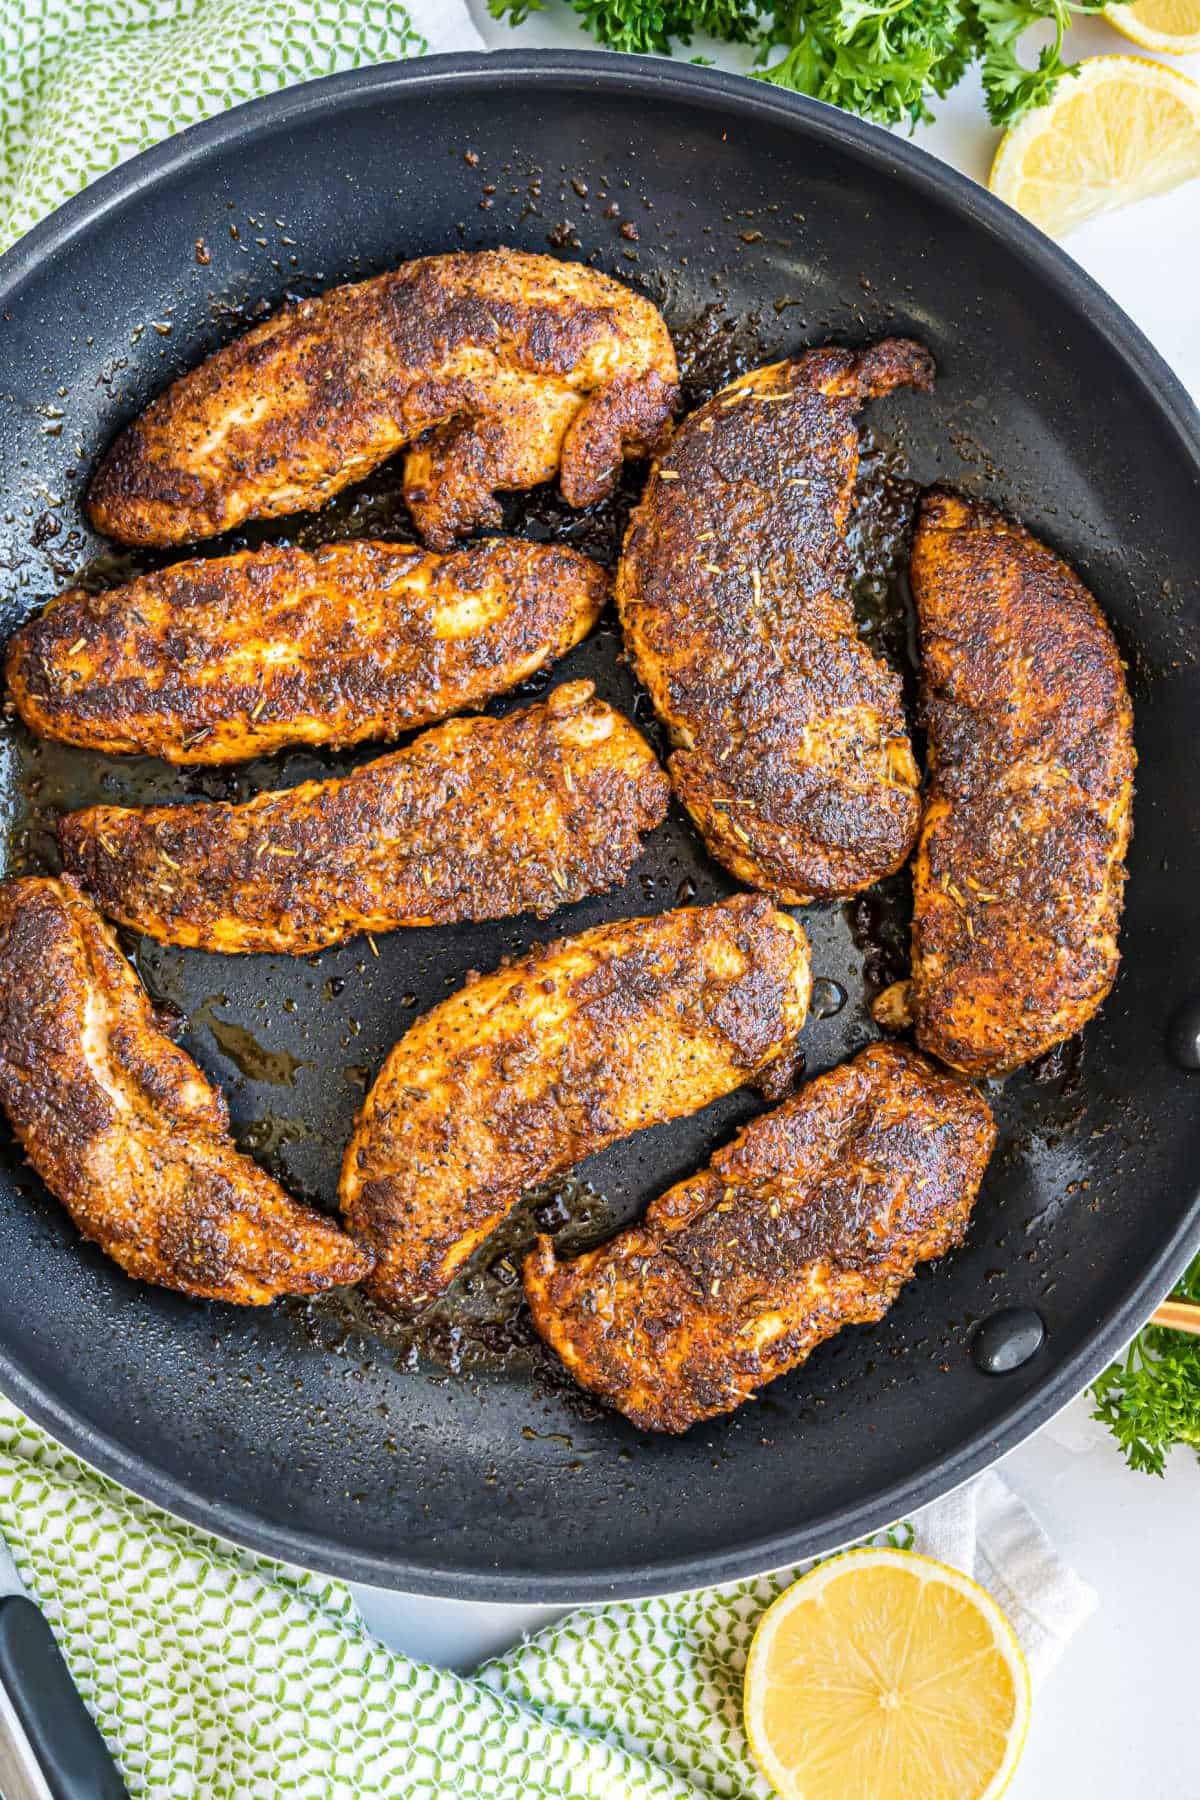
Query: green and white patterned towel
{"x":85,"y":83}
{"x":218,"y":1675}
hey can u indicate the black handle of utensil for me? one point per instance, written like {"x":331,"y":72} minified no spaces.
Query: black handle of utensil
{"x":72,"y":1756}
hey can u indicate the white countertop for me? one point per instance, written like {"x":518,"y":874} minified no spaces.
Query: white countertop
{"x":1117,"y":1719}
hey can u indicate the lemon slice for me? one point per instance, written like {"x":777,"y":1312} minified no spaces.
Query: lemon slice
{"x":884,"y":1675}
{"x":1121,"y":129}
{"x":1172,"y":26}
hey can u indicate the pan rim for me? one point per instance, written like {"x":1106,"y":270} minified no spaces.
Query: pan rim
{"x":812,"y":120}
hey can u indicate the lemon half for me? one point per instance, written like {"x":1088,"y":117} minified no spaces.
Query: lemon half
{"x":883,"y":1675}
{"x":1170,"y":26}
{"x":1122,"y":129}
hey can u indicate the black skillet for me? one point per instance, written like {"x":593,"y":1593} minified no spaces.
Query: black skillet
{"x":763,"y":223}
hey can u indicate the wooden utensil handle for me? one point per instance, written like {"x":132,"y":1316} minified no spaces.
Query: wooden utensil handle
{"x":1178,"y":1315}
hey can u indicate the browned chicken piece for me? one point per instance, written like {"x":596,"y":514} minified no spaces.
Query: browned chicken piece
{"x":1020,"y":869}
{"x":477,"y":819}
{"x":813,"y":1218}
{"x":126,"y":1131}
{"x":215,"y":661}
{"x":508,"y":368}
{"x":792,"y":753}
{"x":534,"y":1067}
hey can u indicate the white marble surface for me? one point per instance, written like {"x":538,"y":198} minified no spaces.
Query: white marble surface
{"x":1118,"y":1719}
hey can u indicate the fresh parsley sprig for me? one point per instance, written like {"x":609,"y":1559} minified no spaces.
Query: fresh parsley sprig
{"x":883,"y":59}
{"x":1150,"y":1400}
{"x":648,"y":27}
{"x":1011,"y":88}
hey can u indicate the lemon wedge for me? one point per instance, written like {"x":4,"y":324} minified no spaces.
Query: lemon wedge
{"x":883,"y":1675}
{"x":1166,"y":26}
{"x":1121,"y":129}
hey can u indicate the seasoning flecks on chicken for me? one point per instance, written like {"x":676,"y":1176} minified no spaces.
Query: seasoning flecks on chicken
{"x":1019,"y":872}
{"x":812,"y":1219}
{"x":213,"y":661}
{"x":477,"y":819}
{"x":508,"y":367}
{"x":791,"y":748}
{"x":528,"y":1070}
{"x":125,"y":1130}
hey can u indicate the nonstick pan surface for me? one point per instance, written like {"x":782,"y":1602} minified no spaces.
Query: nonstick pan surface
{"x":461,"y":1463}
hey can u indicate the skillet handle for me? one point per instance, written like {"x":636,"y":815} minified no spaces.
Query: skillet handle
{"x":71,"y":1757}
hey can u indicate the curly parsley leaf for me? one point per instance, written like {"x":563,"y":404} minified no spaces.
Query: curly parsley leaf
{"x":1150,"y":1400}
{"x":883,"y":59}
{"x":647,"y":27}
{"x":1011,"y":87}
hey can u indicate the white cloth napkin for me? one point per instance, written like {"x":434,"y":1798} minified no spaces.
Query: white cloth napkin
{"x":987,"y":1532}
